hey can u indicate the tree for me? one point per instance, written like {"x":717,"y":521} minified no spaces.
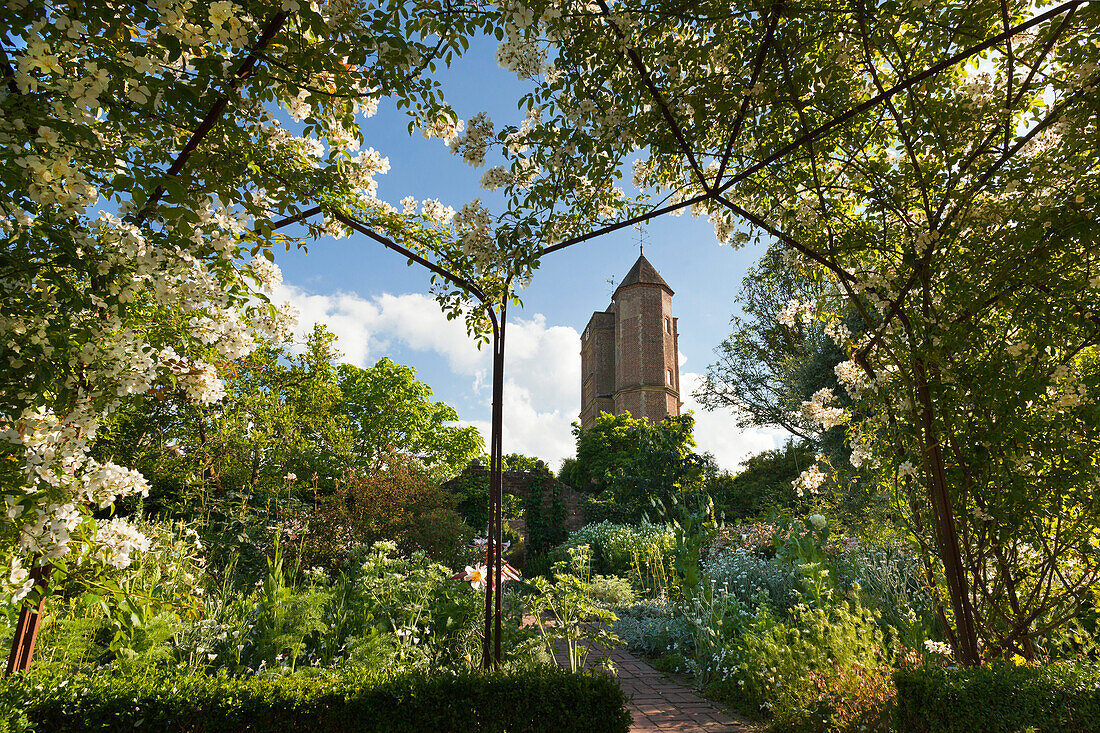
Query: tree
{"x":288,"y":421}
{"x":279,"y":421}
{"x":631,"y":463}
{"x":388,"y":409}
{"x":934,"y":165}
{"x":393,"y":500}
{"x":778,"y":356}
{"x":520,"y":462}
{"x":762,"y":484}
{"x":165,"y":114}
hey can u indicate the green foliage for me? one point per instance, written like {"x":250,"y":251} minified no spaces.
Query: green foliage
{"x":630,"y":462}
{"x":397,"y":500}
{"x":655,"y":628}
{"x":643,"y":553}
{"x":801,"y":544}
{"x":128,"y":617}
{"x":282,"y":619}
{"x":753,"y":579}
{"x":520,"y":462}
{"x":763,"y":484}
{"x":1062,"y":697}
{"x":279,"y":418}
{"x":570,"y":474}
{"x":767,"y":668}
{"x":471,"y":492}
{"x":765,"y":370}
{"x":892,"y":579}
{"x":290,"y":424}
{"x":691,"y":516}
{"x":388,"y":409}
{"x":544,"y":511}
{"x":610,"y":590}
{"x":577,"y":624}
{"x":544,"y":699}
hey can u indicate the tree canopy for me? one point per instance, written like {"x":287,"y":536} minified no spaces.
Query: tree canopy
{"x":632,"y":463}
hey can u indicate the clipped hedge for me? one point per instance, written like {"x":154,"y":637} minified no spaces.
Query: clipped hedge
{"x":531,"y":701}
{"x":1062,"y":697}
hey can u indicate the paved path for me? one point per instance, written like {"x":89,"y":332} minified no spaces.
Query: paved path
{"x":659,"y":704}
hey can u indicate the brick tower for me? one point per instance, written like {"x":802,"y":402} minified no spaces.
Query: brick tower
{"x":629,"y":356}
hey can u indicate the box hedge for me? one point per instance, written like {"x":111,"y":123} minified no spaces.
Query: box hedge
{"x":531,"y":701}
{"x":1062,"y":697}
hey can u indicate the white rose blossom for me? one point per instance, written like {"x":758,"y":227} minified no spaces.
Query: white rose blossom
{"x":820,"y":409}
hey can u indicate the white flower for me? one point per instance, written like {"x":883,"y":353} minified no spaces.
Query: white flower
{"x":496,"y":177}
{"x":18,"y":572}
{"x":817,"y":520}
{"x":819,"y":409}
{"x":475,"y":142}
{"x":982,"y":515}
{"x":809,"y":481}
{"x":852,"y":377}
{"x":906,"y":469}
{"x":119,"y":538}
{"x":437,"y":212}
{"x":475,"y":575}
{"x":937,"y":647}
{"x":267,"y":273}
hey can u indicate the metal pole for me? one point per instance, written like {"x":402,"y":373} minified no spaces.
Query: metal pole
{"x":30,"y":618}
{"x":489,"y":650}
{"x":496,"y":481}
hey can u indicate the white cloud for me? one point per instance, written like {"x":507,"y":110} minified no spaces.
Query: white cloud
{"x":717,"y":432}
{"x":368,"y":328}
{"x":542,"y":366}
{"x":542,"y":371}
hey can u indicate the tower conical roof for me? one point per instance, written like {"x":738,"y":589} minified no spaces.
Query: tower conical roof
{"x":643,"y":273}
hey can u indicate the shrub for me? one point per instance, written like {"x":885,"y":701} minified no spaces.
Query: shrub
{"x":891,"y":578}
{"x":777,"y":668}
{"x":654,"y":628}
{"x":544,"y":511}
{"x":763,"y":484}
{"x":628,"y":551}
{"x":852,"y":699}
{"x":385,"y":612}
{"x":399,"y":502}
{"x":749,"y":577}
{"x":1063,"y":697}
{"x":544,"y":699}
{"x":610,"y":591}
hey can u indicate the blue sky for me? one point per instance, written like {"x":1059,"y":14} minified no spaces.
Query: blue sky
{"x":378,"y":305}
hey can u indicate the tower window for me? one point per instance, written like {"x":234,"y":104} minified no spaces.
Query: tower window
{"x":669,"y":372}
{"x":668,"y":325}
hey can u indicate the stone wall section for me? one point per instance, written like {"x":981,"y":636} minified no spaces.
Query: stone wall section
{"x":518,"y":484}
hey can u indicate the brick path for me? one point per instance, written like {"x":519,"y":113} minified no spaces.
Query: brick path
{"x":659,"y":704}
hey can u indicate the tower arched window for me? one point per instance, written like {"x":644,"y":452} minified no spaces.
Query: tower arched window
{"x":668,"y":325}
{"x":669,"y":372}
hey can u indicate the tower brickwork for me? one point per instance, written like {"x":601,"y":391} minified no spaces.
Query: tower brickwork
{"x":629,"y":354}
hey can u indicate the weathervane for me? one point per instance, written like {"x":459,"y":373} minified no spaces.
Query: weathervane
{"x":643,"y":237}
